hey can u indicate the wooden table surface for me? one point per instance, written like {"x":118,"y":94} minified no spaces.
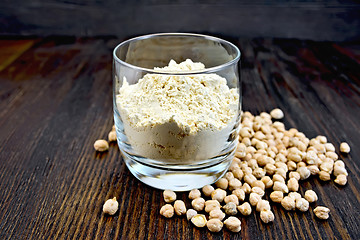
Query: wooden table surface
{"x":55,"y":101}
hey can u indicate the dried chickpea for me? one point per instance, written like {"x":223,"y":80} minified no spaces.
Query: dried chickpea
{"x":214,"y":225}
{"x":324,"y":176}
{"x":218,"y":194}
{"x":179,"y":207}
{"x":198,"y":204}
{"x":270,"y":169}
{"x":167,"y":211}
{"x":245,"y":209}
{"x":249,"y":178}
{"x":195,"y":193}
{"x":341,"y":180}
{"x":278,"y":178}
{"x":233,"y":224}
{"x":190,"y":213}
{"x":234,"y":184}
{"x":229,"y":176}
{"x":254,"y":198}
{"x":262,"y":205}
{"x":199,"y":220}
{"x":314,"y":170}
{"x":101,"y":145}
{"x":169,"y":196}
{"x":288,"y":203}
{"x":207,"y":190}
{"x":112,"y":136}
{"x":322,"y":212}
{"x":231,"y":198}
{"x":267,"y":216}
{"x":295,"y":175}
{"x":111,"y":206}
{"x":339,"y":171}
{"x":276,"y":196}
{"x":258,"y":191}
{"x":222,"y":183}
{"x":211,"y":205}
{"x":344,"y":147}
{"x":280,"y":186}
{"x":311,"y":196}
{"x":293,"y":185}
{"x":295,"y":195}
{"x":217,"y":213}
{"x":259,"y":173}
{"x":302,"y":204}
{"x":267,"y":181}
{"x":339,"y":163}
{"x":238,"y":173}
{"x":230,"y":208}
{"x":246,"y":188}
{"x":277,"y":113}
{"x":259,"y":184}
{"x":304,"y":173}
{"x":239,"y":193}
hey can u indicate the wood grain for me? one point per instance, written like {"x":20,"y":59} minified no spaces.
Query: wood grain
{"x":56,"y":100}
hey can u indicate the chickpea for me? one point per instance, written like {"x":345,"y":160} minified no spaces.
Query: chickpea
{"x":167,"y":211}
{"x":112,"y":136}
{"x":267,"y":216}
{"x":179,"y":207}
{"x":233,"y":224}
{"x":295,"y":195}
{"x":214,"y":225}
{"x":288,"y":203}
{"x":338,"y":170}
{"x":254,"y":198}
{"x":293,"y":185}
{"x":111,"y":206}
{"x":222,"y":183}
{"x":169,"y":196}
{"x":277,"y":113}
{"x":234,"y":184}
{"x":324,"y":176}
{"x":267,"y":181}
{"x":101,"y":145}
{"x":314,"y":170}
{"x":344,"y":147}
{"x":229,"y":176}
{"x":190,"y":214}
{"x":295,"y":175}
{"x":322,"y":212}
{"x":280,"y":186}
{"x":341,"y":180}
{"x":195,"y":193}
{"x":211,"y":205}
{"x":218,"y":194}
{"x":245,"y":209}
{"x":207,"y":190}
{"x":302,"y":204}
{"x":304,"y":173}
{"x":198,"y":204}
{"x":217,"y":213}
{"x":231,"y":198}
{"x":199,"y":220}
{"x":238,"y":173}
{"x":230,"y":208}
{"x":258,"y":191}
{"x":239,"y":193}
{"x":311,"y":196}
{"x":276,"y":196}
{"x":262,"y":205}
{"x":278,"y":178}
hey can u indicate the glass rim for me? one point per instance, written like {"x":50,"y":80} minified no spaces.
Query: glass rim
{"x":206,"y":70}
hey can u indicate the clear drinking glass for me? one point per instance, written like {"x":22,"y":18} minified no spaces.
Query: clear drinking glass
{"x":176,"y":136}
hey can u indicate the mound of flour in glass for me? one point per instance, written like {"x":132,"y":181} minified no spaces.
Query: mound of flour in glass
{"x":180,"y":118}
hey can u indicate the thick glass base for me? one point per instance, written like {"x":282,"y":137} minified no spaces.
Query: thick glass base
{"x":184,"y":179}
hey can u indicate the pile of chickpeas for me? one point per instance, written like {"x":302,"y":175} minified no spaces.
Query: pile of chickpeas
{"x":267,"y":157}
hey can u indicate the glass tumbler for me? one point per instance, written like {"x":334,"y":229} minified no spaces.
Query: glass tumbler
{"x":177,"y":105}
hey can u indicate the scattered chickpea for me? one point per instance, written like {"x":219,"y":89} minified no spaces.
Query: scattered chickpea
{"x":262,"y":205}
{"x":112,"y":136}
{"x":267,"y":216}
{"x":258,"y":191}
{"x":190,"y":213}
{"x":111,"y":206}
{"x":324,"y":176}
{"x":314,"y":170}
{"x":195,"y":193}
{"x":207,"y":190}
{"x":214,"y":225}
{"x":293,"y":185}
{"x":167,"y":211}
{"x":278,"y":178}
{"x":277,"y":113}
{"x":240,"y":194}
{"x":295,"y":195}
{"x":179,"y":207}
{"x":258,"y":184}
{"x":322,"y":212}
{"x":230,"y":208}
{"x":311,"y":196}
{"x":276,"y":196}
{"x":232,"y":198}
{"x":198,"y":204}
{"x":218,"y":194}
{"x":344,"y":147}
{"x":254,"y":198}
{"x":233,"y":224}
{"x":341,"y":180}
{"x":302,"y":204}
{"x":338,"y":170}
{"x":234,"y":184}
{"x":295,"y":175}
{"x":245,"y":209}
{"x":169,"y":196}
{"x":229,"y":176}
{"x":101,"y":145}
{"x":217,"y":213}
{"x":267,"y":181}
{"x":246,"y":188}
{"x":222,"y":183}
{"x":304,"y":173}
{"x":280,"y":186}
{"x":288,"y":203}
{"x":199,"y":220}
{"x":211,"y":205}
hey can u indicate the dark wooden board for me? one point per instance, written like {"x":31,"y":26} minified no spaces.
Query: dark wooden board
{"x":55,"y":101}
